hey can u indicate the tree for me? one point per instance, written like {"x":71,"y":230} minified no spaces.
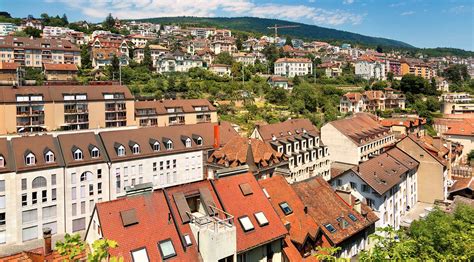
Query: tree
{"x":277,"y":95}
{"x":238,"y":43}
{"x":470,"y":156}
{"x":115,"y":64}
{"x":109,"y":22}
{"x":457,"y":73}
{"x":379,"y":49}
{"x":85,"y":57}
{"x":101,"y":249}
{"x":224,"y":58}
{"x":31,"y":31}
{"x":390,"y":76}
{"x":416,"y":85}
{"x":71,"y":246}
{"x":147,"y":60}
{"x":296,"y":80}
{"x":288,"y":41}
{"x":64,"y":19}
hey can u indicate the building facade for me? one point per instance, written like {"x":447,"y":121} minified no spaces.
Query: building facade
{"x":291,"y":67}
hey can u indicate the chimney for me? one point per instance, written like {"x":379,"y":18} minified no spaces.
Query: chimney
{"x":305,"y":210}
{"x":47,"y":240}
{"x":287,"y":225}
{"x":358,"y":206}
{"x":216,"y":136}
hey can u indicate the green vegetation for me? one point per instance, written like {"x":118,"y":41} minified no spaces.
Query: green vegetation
{"x":71,"y":247}
{"x":438,"y":237}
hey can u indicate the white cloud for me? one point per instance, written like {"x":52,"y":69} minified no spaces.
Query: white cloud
{"x":407,"y":13}
{"x":348,"y":2}
{"x":130,"y":9}
{"x":397,"y":4}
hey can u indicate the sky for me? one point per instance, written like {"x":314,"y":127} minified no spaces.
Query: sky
{"x":422,"y":23}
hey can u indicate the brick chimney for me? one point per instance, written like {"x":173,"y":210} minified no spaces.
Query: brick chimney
{"x":47,"y":241}
{"x":358,"y":206}
{"x":216,"y":137}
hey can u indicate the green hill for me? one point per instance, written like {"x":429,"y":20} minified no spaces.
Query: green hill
{"x":259,"y":25}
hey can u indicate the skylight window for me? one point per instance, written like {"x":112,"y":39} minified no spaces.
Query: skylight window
{"x":261,"y":219}
{"x":352,"y":217}
{"x":140,"y":255}
{"x":246,"y":223}
{"x":286,"y":208}
{"x":166,"y":249}
{"x":266,"y":193}
{"x":330,"y":227}
{"x":187,"y":239}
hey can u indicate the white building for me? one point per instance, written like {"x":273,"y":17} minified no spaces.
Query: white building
{"x":356,"y":138}
{"x":299,"y":140}
{"x":177,"y":62}
{"x":7,"y":28}
{"x":387,"y":183}
{"x":220,"y":69}
{"x":370,"y":68}
{"x":55,"y":31}
{"x":55,"y":180}
{"x":291,"y":67}
{"x":202,"y":32}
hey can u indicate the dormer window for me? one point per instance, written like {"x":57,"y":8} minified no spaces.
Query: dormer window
{"x":156,"y":146}
{"x":30,"y":159}
{"x":136,"y":149}
{"x":2,"y":161}
{"x":95,"y":152}
{"x":49,"y":157}
{"x":199,"y":141}
{"x":121,"y":150}
{"x":188,"y":142}
{"x":168,"y":143}
{"x":78,"y":154}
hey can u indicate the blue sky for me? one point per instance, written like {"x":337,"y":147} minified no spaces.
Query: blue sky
{"x":422,"y":23}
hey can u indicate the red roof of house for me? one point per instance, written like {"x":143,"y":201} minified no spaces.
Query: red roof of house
{"x":325,"y":206}
{"x":152,"y":214}
{"x":405,"y":121}
{"x":293,"y":60}
{"x":461,"y":183}
{"x":239,"y":205}
{"x":60,"y":67}
{"x":302,"y":225}
{"x":9,"y":66}
{"x":289,"y":128}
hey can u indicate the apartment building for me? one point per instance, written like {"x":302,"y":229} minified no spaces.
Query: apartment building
{"x":155,"y":51}
{"x":228,"y":219}
{"x":177,"y":62}
{"x":49,"y":108}
{"x":9,"y":73}
{"x":202,"y":32}
{"x":55,"y":31}
{"x":435,"y":160}
{"x":222,"y":45}
{"x":291,"y":67}
{"x":387,"y":183}
{"x":371,"y":100}
{"x":344,"y":220}
{"x":140,"y":40}
{"x":356,"y":138}
{"x":403,"y":126}
{"x":281,"y":82}
{"x":394,"y":99}
{"x":220,"y":69}
{"x":457,"y":103}
{"x":458,"y":130}
{"x":174,"y":112}
{"x":60,"y":72}
{"x":55,"y":180}
{"x":34,"y":52}
{"x":417,"y":67}
{"x":370,"y":67}
{"x":393,"y":66}
{"x":299,"y":141}
{"x":7,"y":28}
{"x":245,"y":58}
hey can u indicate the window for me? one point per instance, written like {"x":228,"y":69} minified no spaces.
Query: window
{"x":53,"y":194}
{"x":166,"y":249}
{"x":370,"y":202}
{"x":330,"y":228}
{"x":2,"y":185}
{"x":91,"y":190}
{"x":174,"y":163}
{"x":365,"y":188}
{"x":74,"y":209}
{"x":99,"y":188}
{"x":154,"y":166}
{"x":99,"y":173}
{"x":342,"y":222}
{"x":286,"y":208}
{"x":3,"y":237}
{"x":44,"y":196}
{"x":353,"y":185}
{"x":2,"y":202}
{"x":246,"y":223}
{"x":136,"y":149}
{"x":29,"y":216}
{"x":78,"y":154}
{"x":339,"y":182}
{"x":83,"y":208}
{"x":73,"y":193}
{"x":49,"y":157}
{"x":49,"y":212}
{"x":86,"y":176}
{"x":23,"y":184}
{"x":24,"y":200}
{"x":78,"y":224}
{"x":39,"y":182}
{"x":156,"y":146}
{"x":140,"y":169}
{"x":140,"y":255}
{"x":30,"y":159}
{"x":95,"y":152}
{"x":34,"y":198}
{"x":199,"y":141}
{"x":352,"y":217}
{"x":2,"y":161}
{"x":121,"y":150}
{"x":2,"y":219}
{"x":169,"y":145}
{"x":53,"y":179}
{"x":187,"y":240}
{"x":261,"y":219}
{"x":29,"y":233}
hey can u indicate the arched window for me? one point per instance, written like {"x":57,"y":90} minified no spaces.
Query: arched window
{"x":49,"y":157}
{"x":169,"y":145}
{"x":95,"y":152}
{"x":136,"y":149}
{"x":30,"y":159}
{"x":78,"y":154}
{"x":199,"y":141}
{"x":39,"y":182}
{"x":156,"y":146}
{"x":121,"y":150}
{"x":2,"y":161}
{"x":86,"y":176}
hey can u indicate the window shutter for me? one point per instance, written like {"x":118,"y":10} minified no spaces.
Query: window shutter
{"x":182,"y":205}
{"x":206,"y":197}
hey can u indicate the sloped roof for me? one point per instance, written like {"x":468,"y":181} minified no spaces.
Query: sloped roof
{"x":36,"y":145}
{"x":60,"y":67}
{"x":36,"y":43}
{"x":461,"y":183}
{"x":293,"y":60}
{"x":239,"y":205}
{"x":280,"y":130}
{"x":403,"y":121}
{"x":9,"y":66}
{"x":82,"y":141}
{"x":188,"y":105}
{"x":325,"y":206}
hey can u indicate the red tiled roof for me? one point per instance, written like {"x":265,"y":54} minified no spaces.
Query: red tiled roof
{"x":60,"y":67}
{"x":38,"y":145}
{"x":360,"y":128}
{"x":280,"y":130}
{"x":461,"y":183}
{"x":37,"y":255}
{"x":152,"y":213}
{"x":9,"y":66}
{"x":187,"y":105}
{"x":239,"y":205}
{"x":353,"y":97}
{"x":85,"y":142}
{"x":293,"y":60}
{"x":325,"y":206}
{"x":374,"y":94}
{"x":38,"y":43}
{"x":405,"y":121}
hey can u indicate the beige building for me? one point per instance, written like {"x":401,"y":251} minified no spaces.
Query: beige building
{"x":34,"y":52}
{"x":356,"y":138}
{"x":60,"y":72}
{"x":48,"y":108}
{"x":174,"y":112}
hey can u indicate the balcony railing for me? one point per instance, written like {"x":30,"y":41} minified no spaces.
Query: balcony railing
{"x":219,"y":222}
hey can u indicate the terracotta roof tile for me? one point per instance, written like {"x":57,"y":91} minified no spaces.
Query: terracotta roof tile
{"x":38,"y":145}
{"x":85,"y":142}
{"x":36,"y":43}
{"x":187,"y":105}
{"x":9,"y":66}
{"x":60,"y":67}
{"x":280,"y":130}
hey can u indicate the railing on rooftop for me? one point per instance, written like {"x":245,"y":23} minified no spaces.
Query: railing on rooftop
{"x":218,"y":222}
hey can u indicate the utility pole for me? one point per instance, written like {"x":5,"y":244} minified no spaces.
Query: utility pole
{"x":120,"y":73}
